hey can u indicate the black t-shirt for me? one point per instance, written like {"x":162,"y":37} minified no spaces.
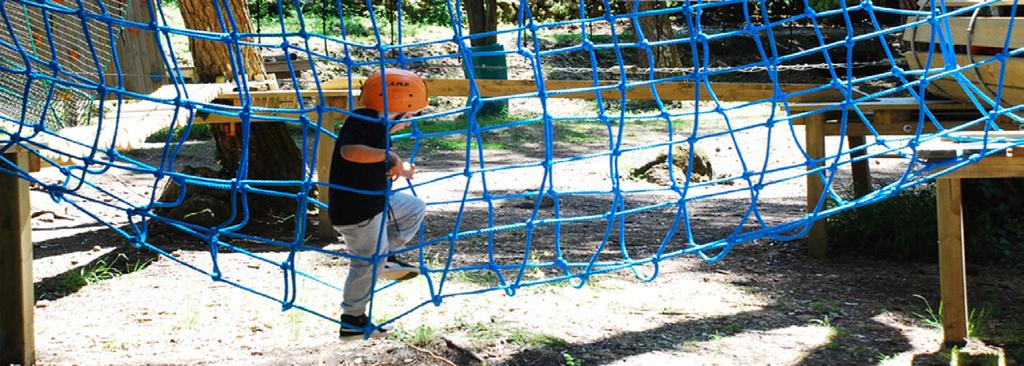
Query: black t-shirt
{"x":347,"y":207}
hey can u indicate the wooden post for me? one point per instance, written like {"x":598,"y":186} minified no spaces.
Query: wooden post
{"x":17,"y":298}
{"x":814,"y":132}
{"x":323,"y":169}
{"x":142,"y":63}
{"x":952,"y":278}
{"x":861,"y":169}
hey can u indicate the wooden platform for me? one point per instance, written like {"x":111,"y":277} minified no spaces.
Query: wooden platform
{"x":138,"y":120}
{"x":983,"y":36}
{"x":891,"y":116}
{"x":953,"y":280}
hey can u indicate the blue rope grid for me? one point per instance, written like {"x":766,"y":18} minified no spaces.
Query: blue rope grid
{"x":40,"y":71}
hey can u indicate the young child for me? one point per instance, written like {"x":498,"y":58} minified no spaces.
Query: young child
{"x":361,"y":162}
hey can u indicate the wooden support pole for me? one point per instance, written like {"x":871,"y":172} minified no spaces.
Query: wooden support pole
{"x":952,"y":278}
{"x":323,"y":171}
{"x":861,"y":169}
{"x":814,"y":132}
{"x":323,"y":168}
{"x":17,"y":297}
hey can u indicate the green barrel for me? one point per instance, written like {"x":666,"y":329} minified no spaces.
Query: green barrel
{"x":490,"y":67}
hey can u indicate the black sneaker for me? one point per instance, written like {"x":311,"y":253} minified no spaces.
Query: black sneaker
{"x":352,"y":328}
{"x":397,"y":270}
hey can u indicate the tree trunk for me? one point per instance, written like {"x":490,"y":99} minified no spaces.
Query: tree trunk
{"x":483,"y":18}
{"x":658,"y":28}
{"x":273,"y":154}
{"x":212,"y":58}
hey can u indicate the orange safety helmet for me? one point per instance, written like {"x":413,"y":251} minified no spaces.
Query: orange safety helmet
{"x":407,"y":91}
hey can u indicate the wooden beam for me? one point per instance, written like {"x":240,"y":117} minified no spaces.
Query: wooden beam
{"x":988,"y":32}
{"x":817,"y":238}
{"x":666,"y":90}
{"x":17,"y":302}
{"x":907,"y":128}
{"x":996,"y":166}
{"x":952,"y":278}
{"x":885,"y":104}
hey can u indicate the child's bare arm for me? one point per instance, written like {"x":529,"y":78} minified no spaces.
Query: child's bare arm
{"x":365,"y":155}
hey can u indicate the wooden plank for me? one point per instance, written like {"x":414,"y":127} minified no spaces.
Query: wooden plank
{"x":998,"y":166}
{"x":964,"y":3}
{"x":988,"y":32}
{"x":952,"y":278}
{"x":281,"y":67}
{"x":17,"y":336}
{"x":908,"y":128}
{"x":287,"y":95}
{"x":1013,"y":81}
{"x":817,"y":238}
{"x":886,"y":104}
{"x":666,"y":90}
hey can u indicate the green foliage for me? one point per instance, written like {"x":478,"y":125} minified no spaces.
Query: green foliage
{"x":992,"y":219}
{"x":528,"y":338}
{"x":433,"y":12}
{"x":569,"y":360}
{"x":198,"y":132}
{"x":904,"y":227}
{"x":102,"y":269}
{"x":457,"y":141}
{"x":901,"y":227}
{"x":421,"y":336}
{"x":929,"y":316}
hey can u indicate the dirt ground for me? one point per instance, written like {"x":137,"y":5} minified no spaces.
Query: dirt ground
{"x":767,"y":302}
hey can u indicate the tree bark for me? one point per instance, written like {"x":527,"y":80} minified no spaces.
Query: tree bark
{"x":483,"y":18}
{"x":273,"y":154}
{"x":212,"y":58}
{"x":658,"y":28}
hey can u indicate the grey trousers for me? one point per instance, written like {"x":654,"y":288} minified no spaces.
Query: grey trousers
{"x":404,"y":219}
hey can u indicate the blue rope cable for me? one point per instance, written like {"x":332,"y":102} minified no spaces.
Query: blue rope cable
{"x":542,"y":250}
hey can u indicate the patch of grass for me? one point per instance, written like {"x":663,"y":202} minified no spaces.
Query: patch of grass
{"x":113,"y":347}
{"x":930,"y":317}
{"x":295,"y":325}
{"x":838,"y":332}
{"x":826,"y":306}
{"x":420,"y":336}
{"x":102,"y":269}
{"x":569,"y":360}
{"x":482,"y":278}
{"x":730,"y":329}
{"x":483,"y":335}
{"x":978,"y":318}
{"x":529,"y":339}
{"x":882,"y":357}
{"x":457,"y":140}
{"x":861,"y":351}
{"x":191,"y":315}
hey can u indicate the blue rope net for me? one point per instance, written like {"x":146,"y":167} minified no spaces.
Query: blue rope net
{"x":543,"y":243}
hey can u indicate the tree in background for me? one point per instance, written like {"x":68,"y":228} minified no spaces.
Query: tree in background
{"x":656,"y":28}
{"x":483,"y":18}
